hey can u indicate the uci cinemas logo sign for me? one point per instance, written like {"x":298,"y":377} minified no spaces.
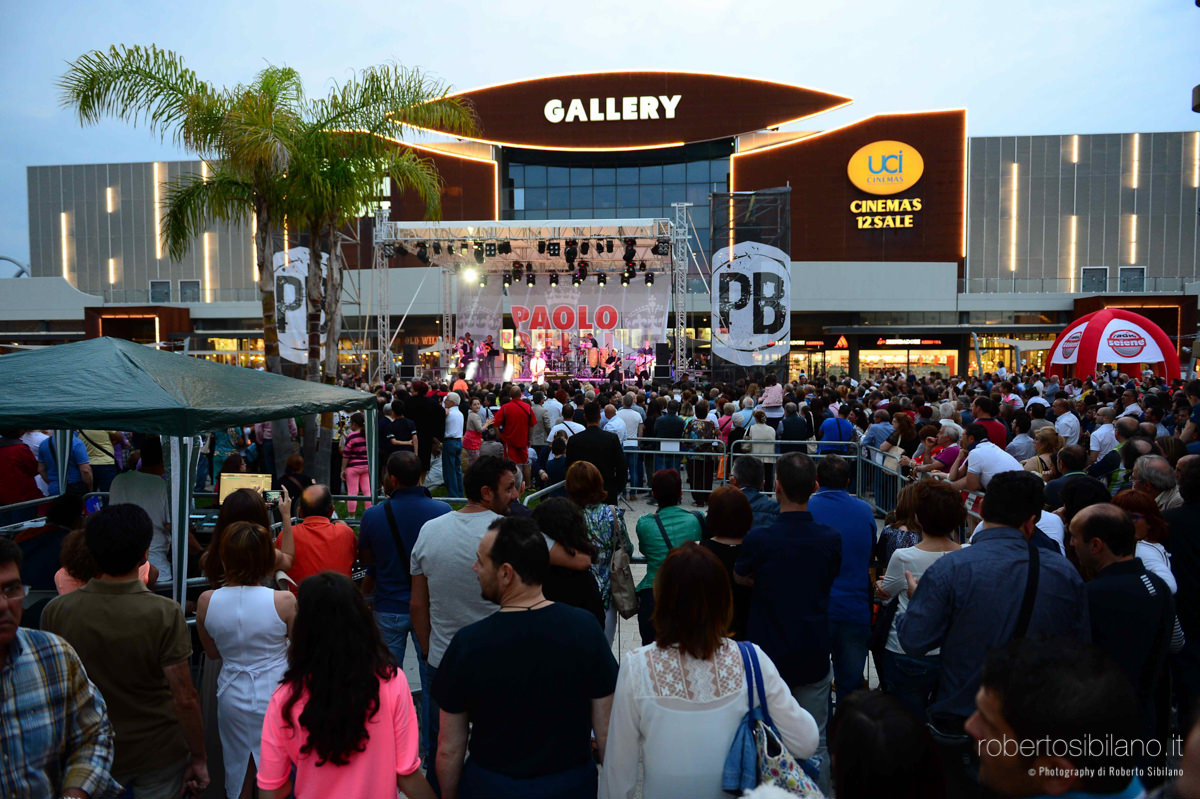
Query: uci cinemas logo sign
{"x":612,"y":109}
{"x":885,"y":167}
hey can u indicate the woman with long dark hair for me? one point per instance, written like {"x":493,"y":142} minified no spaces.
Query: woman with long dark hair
{"x":563,"y":521}
{"x":343,"y":716}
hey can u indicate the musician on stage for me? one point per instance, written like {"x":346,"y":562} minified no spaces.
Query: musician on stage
{"x":537,"y":368}
{"x":490,"y":353}
{"x":612,"y":364}
{"x":466,"y":350}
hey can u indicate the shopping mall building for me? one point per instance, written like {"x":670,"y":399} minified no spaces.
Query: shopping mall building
{"x":907,"y":235}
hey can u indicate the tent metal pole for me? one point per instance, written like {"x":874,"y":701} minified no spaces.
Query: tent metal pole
{"x":63,"y":439}
{"x":372,"y":418}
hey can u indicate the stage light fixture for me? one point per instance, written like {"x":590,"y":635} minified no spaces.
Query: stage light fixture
{"x":553,"y":279}
{"x":506,"y":279}
{"x":553,"y":249}
{"x":482,"y":281}
{"x":469,"y":274}
{"x":449,"y":249}
{"x":389,"y":251}
{"x":662,"y":247}
{"x":571,"y":252}
{"x":630,"y":250}
{"x":582,"y":271}
{"x":576,"y":279}
{"x":649,"y":278}
{"x":584,"y":246}
{"x":401,"y":250}
{"x":489,"y":249}
{"x":437,"y":248}
{"x":504,"y":248}
{"x":608,"y":245}
{"x":541,"y":248}
{"x":624,"y":278}
{"x":601,"y":279}
{"x":599,"y":247}
{"x":478,"y":252}
{"x":422,"y":253}
{"x":516,"y":270}
{"x":642,"y":266}
{"x":531,"y":279}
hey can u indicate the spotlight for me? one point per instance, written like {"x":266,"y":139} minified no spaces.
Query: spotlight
{"x":516,"y":270}
{"x":478,"y":252}
{"x":576,"y":279}
{"x":531,"y":279}
{"x":583,"y":267}
{"x":553,"y":249}
{"x":625,"y":278}
{"x":449,"y":249}
{"x":630,"y":250}
{"x":504,"y":248}
{"x":482,"y":281}
{"x":571,"y":252}
{"x":469,"y":274}
{"x":541,"y":248}
{"x":584,"y":246}
{"x":600,"y":247}
{"x":649,"y":278}
{"x":642,"y":266}
{"x":507,"y":280}
{"x":422,"y":253}
{"x":553,"y":278}
{"x":489,"y":249}
{"x":662,"y":247}
{"x":608,"y":244}
{"x":437,"y":248}
{"x":601,"y":279}
{"x":389,"y":251}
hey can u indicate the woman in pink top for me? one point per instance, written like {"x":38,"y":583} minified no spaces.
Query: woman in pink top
{"x":343,"y":715}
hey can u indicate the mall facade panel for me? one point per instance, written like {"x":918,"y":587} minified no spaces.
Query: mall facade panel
{"x":1005,"y":237}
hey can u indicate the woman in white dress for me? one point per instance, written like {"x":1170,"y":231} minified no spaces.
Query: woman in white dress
{"x":246,"y":626}
{"x":679,"y":701}
{"x":763,"y":436}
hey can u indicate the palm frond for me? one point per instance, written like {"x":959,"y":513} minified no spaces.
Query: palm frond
{"x":194,"y":202}
{"x":141,"y":85}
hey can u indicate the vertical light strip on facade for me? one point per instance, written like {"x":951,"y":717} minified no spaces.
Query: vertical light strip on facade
{"x":207,"y":273}
{"x":1196,"y":160}
{"x":157,"y":217}
{"x":108,"y":199}
{"x":1071,"y":255}
{"x":112,"y":271}
{"x":62,"y":235}
{"x":1075,"y":149}
{"x":1133,"y":238}
{"x":1012,"y":245}
{"x":1137,"y":157}
{"x":254,"y":245}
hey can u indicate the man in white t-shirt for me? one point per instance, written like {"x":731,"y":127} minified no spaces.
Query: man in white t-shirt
{"x":979,"y":460}
{"x":33,"y":439}
{"x":633,"y":429}
{"x":614,"y":424}
{"x":445,"y":592}
{"x":1104,"y":438}
{"x":566,"y":425}
{"x":1066,"y":422}
{"x":147,"y":489}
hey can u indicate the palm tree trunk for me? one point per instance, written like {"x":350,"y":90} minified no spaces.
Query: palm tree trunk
{"x":323,"y":464}
{"x":314,"y":290}
{"x":266,"y":289}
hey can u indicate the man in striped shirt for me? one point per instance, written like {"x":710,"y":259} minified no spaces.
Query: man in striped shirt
{"x":55,"y":737}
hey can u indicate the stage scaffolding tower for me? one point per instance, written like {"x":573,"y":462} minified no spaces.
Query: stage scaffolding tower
{"x":679,"y":272}
{"x":380,"y":277}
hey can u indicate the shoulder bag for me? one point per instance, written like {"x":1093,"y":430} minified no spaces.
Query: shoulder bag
{"x":620,"y":576}
{"x":757,"y":755}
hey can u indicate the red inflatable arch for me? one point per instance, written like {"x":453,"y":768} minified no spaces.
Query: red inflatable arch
{"x":1112,"y":335}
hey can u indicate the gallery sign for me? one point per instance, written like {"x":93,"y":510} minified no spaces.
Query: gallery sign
{"x":636,"y":110}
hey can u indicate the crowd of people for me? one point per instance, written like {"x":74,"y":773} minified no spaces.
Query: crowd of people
{"x":1036,"y":580}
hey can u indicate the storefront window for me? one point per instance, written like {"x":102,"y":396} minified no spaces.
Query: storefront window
{"x":918,"y":362}
{"x":994,"y":352}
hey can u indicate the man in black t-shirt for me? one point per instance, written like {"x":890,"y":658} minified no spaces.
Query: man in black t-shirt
{"x":531,"y":682}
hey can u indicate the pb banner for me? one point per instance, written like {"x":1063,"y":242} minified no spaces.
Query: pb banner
{"x":751,"y":277}
{"x":624,"y":317}
{"x":291,"y":302}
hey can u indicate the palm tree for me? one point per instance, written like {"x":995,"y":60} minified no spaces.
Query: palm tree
{"x":239,"y":131}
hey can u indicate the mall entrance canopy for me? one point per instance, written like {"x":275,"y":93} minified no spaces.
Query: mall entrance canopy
{"x":113,"y":384}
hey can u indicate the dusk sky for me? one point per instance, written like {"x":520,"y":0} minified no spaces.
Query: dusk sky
{"x":1103,"y":66}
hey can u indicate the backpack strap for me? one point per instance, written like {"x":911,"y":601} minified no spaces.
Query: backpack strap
{"x":663,"y":530}
{"x":400,"y":550}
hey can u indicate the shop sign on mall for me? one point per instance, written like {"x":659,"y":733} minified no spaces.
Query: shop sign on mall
{"x":885,"y":167}
{"x":614,"y":109}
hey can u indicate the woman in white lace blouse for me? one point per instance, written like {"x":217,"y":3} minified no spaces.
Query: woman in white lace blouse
{"x":679,"y":700}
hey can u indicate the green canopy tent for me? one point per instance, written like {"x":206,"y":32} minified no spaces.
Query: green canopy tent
{"x":113,"y":384}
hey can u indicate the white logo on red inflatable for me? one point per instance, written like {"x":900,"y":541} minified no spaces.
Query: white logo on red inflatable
{"x":1071,"y":342}
{"x":1126,"y":343}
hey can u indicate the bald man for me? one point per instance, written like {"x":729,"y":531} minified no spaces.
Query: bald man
{"x":321,"y":543}
{"x":614,"y":423}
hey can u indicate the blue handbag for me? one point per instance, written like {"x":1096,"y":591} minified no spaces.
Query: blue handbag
{"x":757,"y":754}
